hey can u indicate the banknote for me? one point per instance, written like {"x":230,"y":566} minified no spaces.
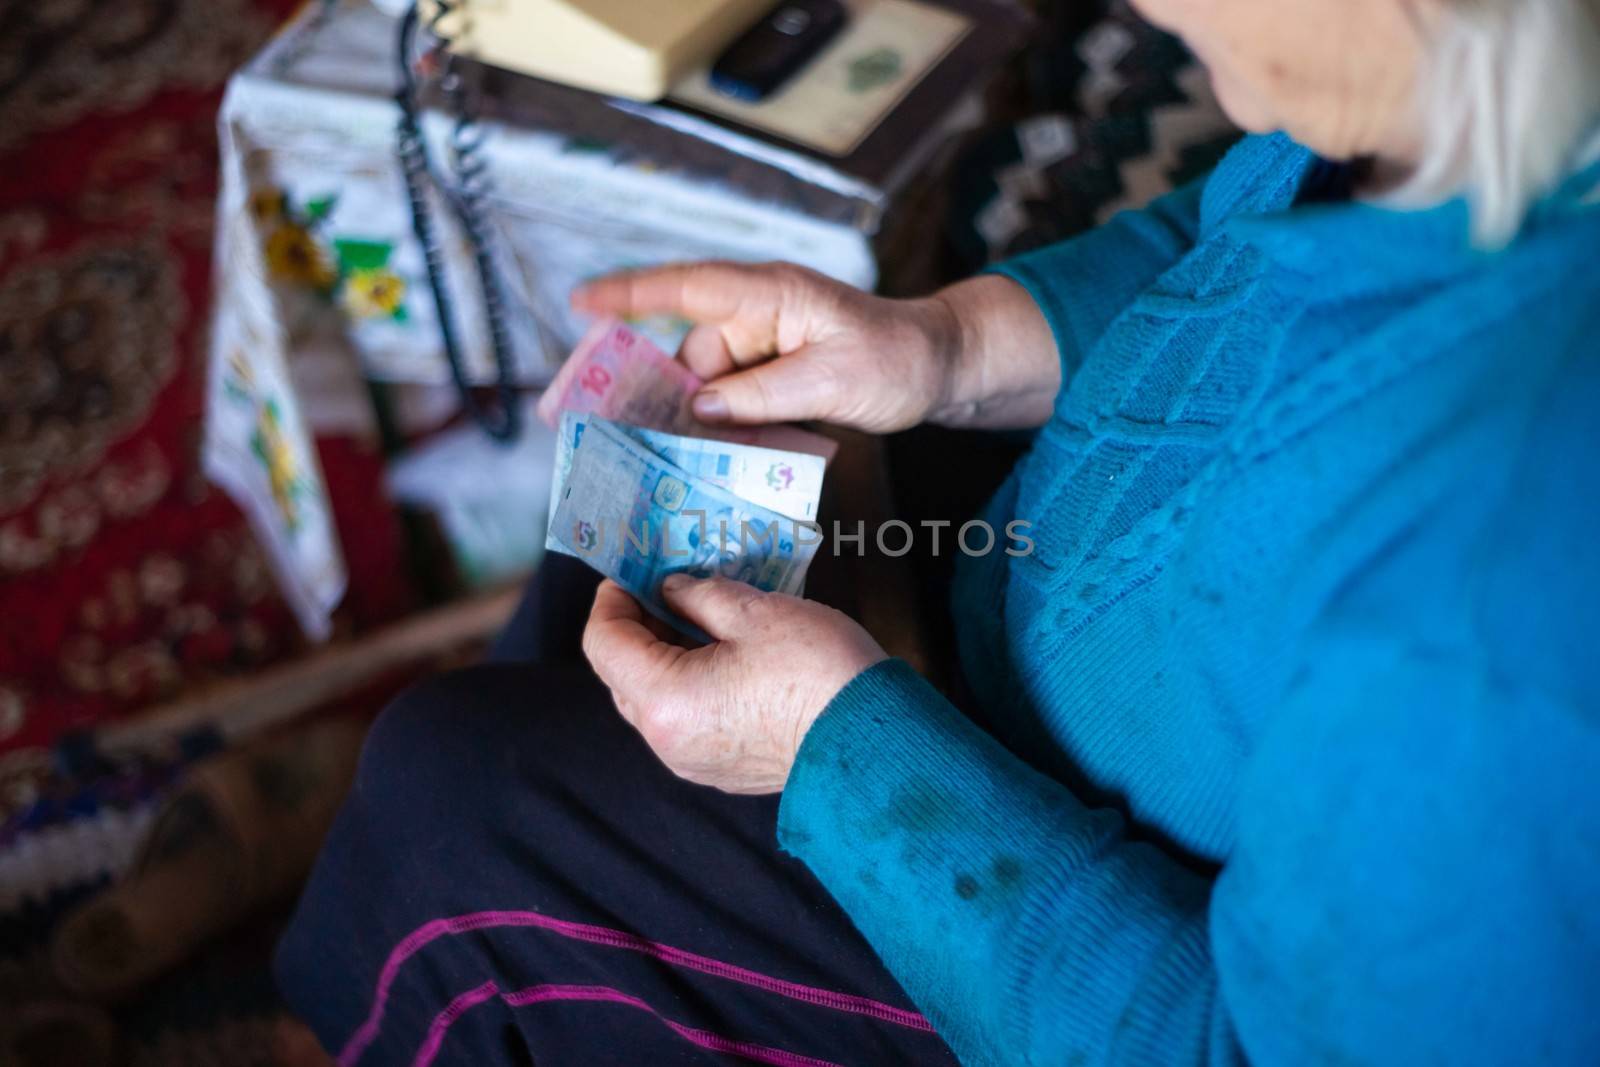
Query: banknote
{"x":780,"y":480}
{"x":789,"y":483}
{"x":618,"y":374}
{"x":637,"y":518}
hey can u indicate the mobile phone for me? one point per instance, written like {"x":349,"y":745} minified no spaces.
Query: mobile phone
{"x":777,"y":48}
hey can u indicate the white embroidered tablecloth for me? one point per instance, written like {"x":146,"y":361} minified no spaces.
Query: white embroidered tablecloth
{"x":320,"y":281}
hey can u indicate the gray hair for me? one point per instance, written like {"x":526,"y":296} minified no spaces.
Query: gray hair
{"x":1510,"y":98}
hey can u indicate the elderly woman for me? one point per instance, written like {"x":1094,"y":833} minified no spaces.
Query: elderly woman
{"x":1286,"y":734}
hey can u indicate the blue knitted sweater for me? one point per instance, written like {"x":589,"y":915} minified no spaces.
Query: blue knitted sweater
{"x":1291,"y":722}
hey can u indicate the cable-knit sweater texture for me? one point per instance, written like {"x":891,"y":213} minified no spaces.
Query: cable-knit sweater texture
{"x":1291,"y":719}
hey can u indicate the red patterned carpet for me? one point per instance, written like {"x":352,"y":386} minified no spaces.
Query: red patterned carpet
{"x":124,"y":577}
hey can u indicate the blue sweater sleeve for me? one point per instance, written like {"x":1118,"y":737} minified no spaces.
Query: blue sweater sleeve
{"x":1082,"y":284}
{"x":1383,"y":885}
{"x":1025,"y":925}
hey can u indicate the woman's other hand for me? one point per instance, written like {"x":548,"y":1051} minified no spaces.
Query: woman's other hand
{"x":732,"y":714}
{"x":779,"y":343}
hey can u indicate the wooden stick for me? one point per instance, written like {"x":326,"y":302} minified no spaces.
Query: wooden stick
{"x":249,"y":706}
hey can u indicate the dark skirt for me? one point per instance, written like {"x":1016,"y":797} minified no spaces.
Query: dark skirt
{"x":516,"y":879}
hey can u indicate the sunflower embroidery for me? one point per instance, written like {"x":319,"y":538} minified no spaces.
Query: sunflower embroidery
{"x":271,"y":445}
{"x":374,"y":294}
{"x":352,"y":273}
{"x":276,"y":452}
{"x":294,"y":256}
{"x":371,"y":289}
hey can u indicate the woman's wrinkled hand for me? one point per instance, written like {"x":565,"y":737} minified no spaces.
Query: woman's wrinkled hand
{"x":731,"y":714}
{"x":780,"y":343}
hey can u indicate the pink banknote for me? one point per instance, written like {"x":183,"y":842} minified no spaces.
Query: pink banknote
{"x":620,"y":375}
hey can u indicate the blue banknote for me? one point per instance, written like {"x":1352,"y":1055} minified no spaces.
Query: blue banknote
{"x":782,"y":480}
{"x":637,"y":517}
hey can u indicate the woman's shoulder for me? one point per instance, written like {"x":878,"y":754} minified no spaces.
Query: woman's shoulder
{"x":1261,"y":173}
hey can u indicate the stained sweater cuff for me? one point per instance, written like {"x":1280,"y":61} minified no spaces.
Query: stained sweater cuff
{"x":886,"y":732}
{"x":937,"y":841}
